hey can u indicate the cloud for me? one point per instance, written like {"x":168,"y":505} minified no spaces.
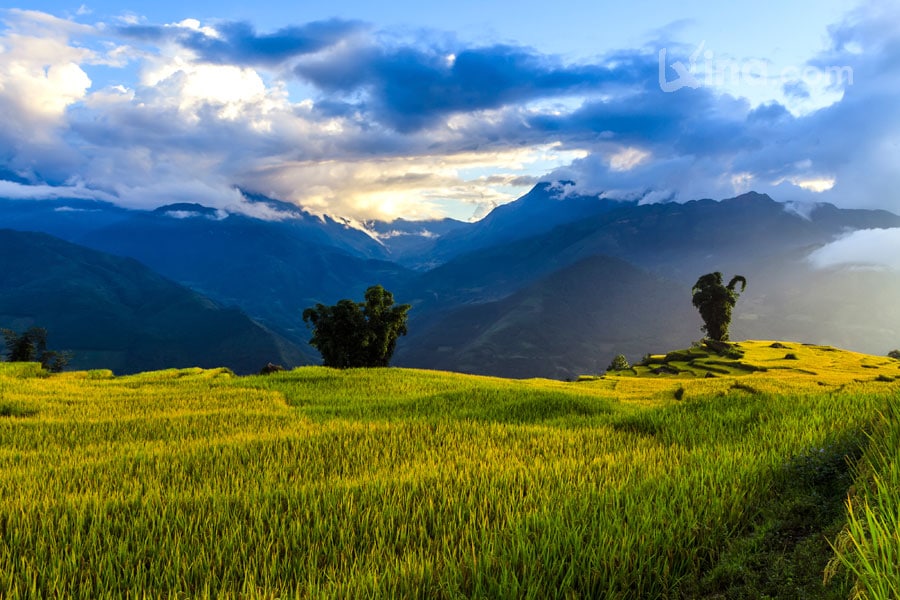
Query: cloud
{"x":353,"y":122}
{"x":40,"y":74}
{"x":410,"y":88}
{"x":866,"y":248}
{"x":238,"y":43}
{"x":704,"y":143}
{"x":421,"y":187}
{"x":796,"y":89}
{"x":19,"y":191}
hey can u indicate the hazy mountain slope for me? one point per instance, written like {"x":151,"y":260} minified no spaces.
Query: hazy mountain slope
{"x":271,"y":268}
{"x":568,"y":323}
{"x":274,"y":269}
{"x":115,"y":313}
{"x":678,"y":241}
{"x":546,"y":206}
{"x":323,"y":230}
{"x":846,"y":307}
{"x":410,"y":243}
{"x":751,"y":235}
{"x":66,"y":218}
{"x":262,"y":267}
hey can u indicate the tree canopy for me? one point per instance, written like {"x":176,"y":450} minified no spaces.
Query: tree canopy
{"x":350,"y":334}
{"x":715,"y":301}
{"x":619,"y":363}
{"x":31,"y":346}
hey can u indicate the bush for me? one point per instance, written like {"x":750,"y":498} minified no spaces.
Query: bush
{"x":894,"y":354}
{"x":271,"y":368}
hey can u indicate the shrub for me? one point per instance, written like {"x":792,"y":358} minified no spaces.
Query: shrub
{"x":271,"y":368}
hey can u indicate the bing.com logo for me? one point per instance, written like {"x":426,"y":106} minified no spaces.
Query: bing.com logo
{"x":704,"y":69}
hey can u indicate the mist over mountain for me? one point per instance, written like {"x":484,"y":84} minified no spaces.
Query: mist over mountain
{"x":553,"y":284}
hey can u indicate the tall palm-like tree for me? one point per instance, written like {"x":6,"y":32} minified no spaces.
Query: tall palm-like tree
{"x":715,"y":300}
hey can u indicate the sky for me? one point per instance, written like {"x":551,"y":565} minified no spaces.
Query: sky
{"x":424,"y":110}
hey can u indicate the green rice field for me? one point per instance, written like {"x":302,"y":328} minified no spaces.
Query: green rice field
{"x":751,"y":475}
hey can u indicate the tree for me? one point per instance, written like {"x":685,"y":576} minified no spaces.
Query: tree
{"x":31,"y":346}
{"x":715,"y":301}
{"x":351,"y":334}
{"x":619,"y":363}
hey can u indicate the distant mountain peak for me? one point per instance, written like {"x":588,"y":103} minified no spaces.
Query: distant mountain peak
{"x":751,"y":196}
{"x":558,"y":189}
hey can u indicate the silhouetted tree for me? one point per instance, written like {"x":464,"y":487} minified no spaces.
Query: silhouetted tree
{"x":31,"y":346}
{"x":715,"y":301}
{"x":351,"y":334}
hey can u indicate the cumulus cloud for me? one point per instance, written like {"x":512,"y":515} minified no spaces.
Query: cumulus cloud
{"x":866,"y":248}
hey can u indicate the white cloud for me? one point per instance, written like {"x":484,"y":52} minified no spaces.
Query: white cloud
{"x":415,"y":187}
{"x":872,"y":248}
{"x":39,"y":70}
{"x":627,"y":158}
{"x":18,"y":191}
{"x":814,"y":184}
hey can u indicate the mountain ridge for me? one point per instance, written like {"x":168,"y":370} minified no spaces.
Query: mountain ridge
{"x":273,"y":269}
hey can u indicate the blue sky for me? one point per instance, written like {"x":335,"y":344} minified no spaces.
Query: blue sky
{"x":421,"y":110}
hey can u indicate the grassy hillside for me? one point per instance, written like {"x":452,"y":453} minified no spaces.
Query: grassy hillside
{"x":399,"y":483}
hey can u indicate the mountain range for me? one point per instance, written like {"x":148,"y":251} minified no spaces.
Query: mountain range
{"x":115,"y":313}
{"x":554,"y":284}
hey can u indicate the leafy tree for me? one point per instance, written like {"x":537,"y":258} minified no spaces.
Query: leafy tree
{"x":386,"y":323}
{"x":351,"y":334}
{"x":619,"y":363}
{"x":31,"y":346}
{"x":715,"y":301}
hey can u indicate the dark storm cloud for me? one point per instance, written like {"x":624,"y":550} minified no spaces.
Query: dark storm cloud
{"x":696,"y":122}
{"x":410,"y":88}
{"x":238,"y":42}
